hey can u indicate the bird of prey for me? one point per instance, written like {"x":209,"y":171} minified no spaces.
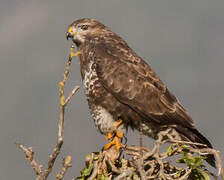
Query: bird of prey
{"x":123,"y":91}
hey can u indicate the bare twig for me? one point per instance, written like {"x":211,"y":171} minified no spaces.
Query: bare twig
{"x":127,"y":173}
{"x":185,"y":176}
{"x":140,"y":168}
{"x":76,"y":88}
{"x":95,"y":171}
{"x":65,"y":165}
{"x":42,"y":175}
{"x":63,"y":104}
{"x":30,"y":157}
{"x":172,"y":140}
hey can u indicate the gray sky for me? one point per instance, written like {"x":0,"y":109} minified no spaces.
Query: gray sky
{"x":182,"y":40}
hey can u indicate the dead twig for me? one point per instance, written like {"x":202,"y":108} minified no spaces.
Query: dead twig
{"x":42,"y":175}
{"x":65,"y":165}
{"x":29,"y":152}
{"x":63,"y":104}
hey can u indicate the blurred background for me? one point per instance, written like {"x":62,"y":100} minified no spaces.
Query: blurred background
{"x":182,"y":40}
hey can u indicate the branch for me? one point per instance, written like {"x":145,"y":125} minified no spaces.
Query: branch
{"x":43,"y":175}
{"x":138,"y":162}
{"x":65,"y":165}
{"x":29,"y":153}
{"x":63,"y":104}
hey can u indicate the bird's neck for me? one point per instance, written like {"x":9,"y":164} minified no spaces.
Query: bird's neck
{"x":86,"y":57}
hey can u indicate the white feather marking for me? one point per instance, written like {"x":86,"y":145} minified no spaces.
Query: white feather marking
{"x":103,"y":119}
{"x":90,"y":79}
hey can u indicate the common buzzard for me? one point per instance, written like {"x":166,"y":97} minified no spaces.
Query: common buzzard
{"x":122,"y":90}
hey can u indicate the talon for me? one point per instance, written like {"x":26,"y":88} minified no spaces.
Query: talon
{"x":118,"y":135}
{"x":117,"y":143}
{"x":107,"y":146}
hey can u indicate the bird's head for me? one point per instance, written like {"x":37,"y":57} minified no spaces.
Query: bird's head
{"x":80,"y":30}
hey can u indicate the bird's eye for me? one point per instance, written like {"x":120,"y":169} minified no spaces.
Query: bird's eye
{"x":84,"y":27}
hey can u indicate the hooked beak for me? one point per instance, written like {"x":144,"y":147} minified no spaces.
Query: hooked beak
{"x":70,"y":33}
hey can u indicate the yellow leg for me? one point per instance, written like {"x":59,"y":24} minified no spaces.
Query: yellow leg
{"x":117,"y":143}
{"x":117,"y":135}
{"x":108,"y":145}
{"x":117,"y":124}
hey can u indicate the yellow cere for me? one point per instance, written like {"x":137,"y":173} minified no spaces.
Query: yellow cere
{"x":70,"y":30}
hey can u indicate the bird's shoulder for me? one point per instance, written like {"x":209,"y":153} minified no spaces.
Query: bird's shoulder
{"x":133,"y":82}
{"x":112,"y":54}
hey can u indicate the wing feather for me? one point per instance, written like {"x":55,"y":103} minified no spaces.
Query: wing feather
{"x":132,"y":82}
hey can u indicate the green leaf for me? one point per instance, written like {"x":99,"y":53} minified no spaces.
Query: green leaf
{"x":204,"y":175}
{"x":169,"y":150}
{"x":191,"y":161}
{"x":96,"y":158}
{"x":186,"y":159}
{"x":198,"y":161}
{"x":180,"y":161}
{"x":79,"y":177}
{"x":87,"y":171}
{"x":180,"y":172}
{"x":198,"y":174}
{"x":101,"y":177}
{"x":185,"y":146}
{"x":88,"y":157}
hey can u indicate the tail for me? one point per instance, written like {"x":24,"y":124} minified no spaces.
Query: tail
{"x":194,"y":135}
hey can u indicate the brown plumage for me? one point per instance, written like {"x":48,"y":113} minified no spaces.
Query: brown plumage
{"x":121,"y":85}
